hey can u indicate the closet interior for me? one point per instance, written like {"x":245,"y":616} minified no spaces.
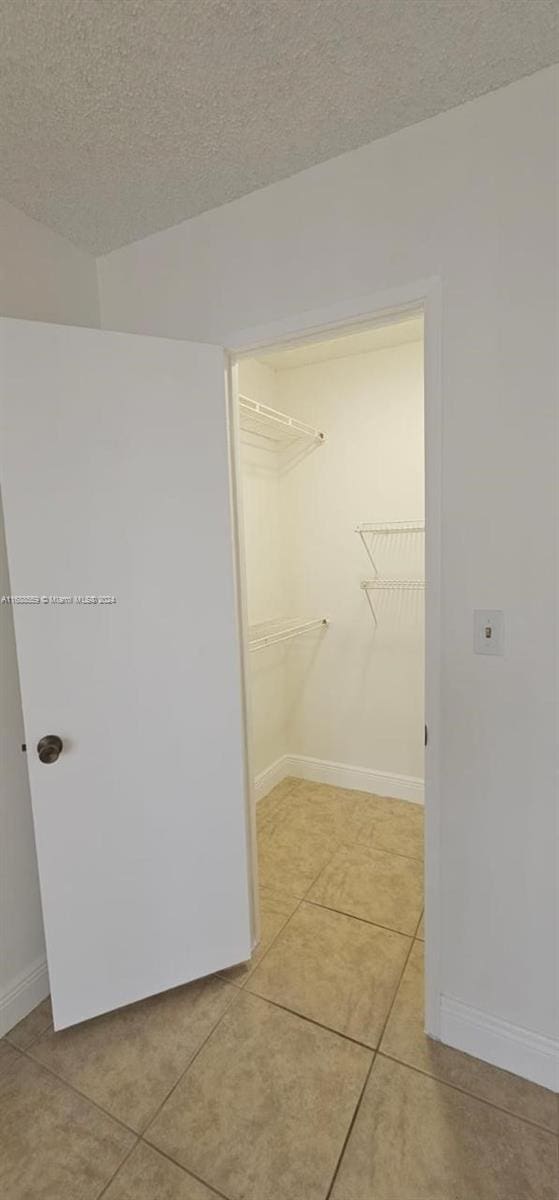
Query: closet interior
{"x":332,"y":468}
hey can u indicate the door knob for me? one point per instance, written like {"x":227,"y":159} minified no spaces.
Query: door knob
{"x":49,"y":748}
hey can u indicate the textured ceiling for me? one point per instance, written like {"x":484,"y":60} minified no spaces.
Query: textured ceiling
{"x":121,"y":117}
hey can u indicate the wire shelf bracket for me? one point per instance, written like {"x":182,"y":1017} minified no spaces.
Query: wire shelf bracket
{"x":370,"y":586}
{"x":270,"y":633}
{"x":276,"y":427}
{"x":372,"y":530}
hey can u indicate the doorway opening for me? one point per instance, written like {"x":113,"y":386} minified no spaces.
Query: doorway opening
{"x":330,"y":474}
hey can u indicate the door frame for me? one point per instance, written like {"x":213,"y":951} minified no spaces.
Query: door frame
{"x":345,"y":316}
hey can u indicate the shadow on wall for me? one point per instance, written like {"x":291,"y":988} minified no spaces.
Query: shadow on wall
{"x":21,"y":925}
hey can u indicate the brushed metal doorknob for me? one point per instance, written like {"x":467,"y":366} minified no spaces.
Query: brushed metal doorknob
{"x":49,"y":748}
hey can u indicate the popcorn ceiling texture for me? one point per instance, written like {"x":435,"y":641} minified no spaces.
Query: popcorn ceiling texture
{"x":122,"y":117}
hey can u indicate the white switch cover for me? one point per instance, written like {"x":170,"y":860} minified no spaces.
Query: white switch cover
{"x":489,"y":631}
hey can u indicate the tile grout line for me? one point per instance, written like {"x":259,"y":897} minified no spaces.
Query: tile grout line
{"x":345,"y":842}
{"x":383,"y":849}
{"x":186,"y":1170}
{"x":364,"y":920}
{"x":375,"y":1050}
{"x":242,"y":986}
{"x":70,"y":1087}
{"x":118,"y":1120}
{"x":154,"y":1116}
{"x":421,"y":916}
{"x":33,"y":1041}
{"x":138,"y":1137}
{"x":321,"y":869}
{"x":356,"y":841}
{"x":273,"y":942}
{"x":264,"y":819}
{"x":417,"y":941}
{"x":375,"y":1054}
{"x":76,"y":1091}
{"x":341,"y":845}
{"x":320,"y":873}
{"x":350,"y":1128}
{"x":110,"y":1181}
{"x":311,"y":1021}
{"x":396,"y":990}
{"x":470,"y":1095}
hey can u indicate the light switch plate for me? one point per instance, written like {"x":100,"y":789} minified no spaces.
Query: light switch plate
{"x":489,"y":631}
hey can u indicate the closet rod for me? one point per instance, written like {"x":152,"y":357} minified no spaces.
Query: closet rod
{"x":259,"y":641}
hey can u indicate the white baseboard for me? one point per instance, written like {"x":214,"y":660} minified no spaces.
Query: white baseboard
{"x":363,"y":779}
{"x":268,"y":779}
{"x":508,"y":1046}
{"x":23,"y":994}
{"x":320,"y":770}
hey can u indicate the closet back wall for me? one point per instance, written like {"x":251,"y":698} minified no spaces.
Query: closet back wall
{"x":356,"y":693}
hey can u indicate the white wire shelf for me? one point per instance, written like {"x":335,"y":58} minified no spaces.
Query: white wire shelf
{"x":369,"y":532}
{"x":392,"y":527}
{"x":402,"y":585}
{"x":276,"y":427}
{"x":370,"y":586}
{"x":270,"y":632}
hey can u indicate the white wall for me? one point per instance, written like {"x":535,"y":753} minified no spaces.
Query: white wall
{"x":356,"y":693}
{"x":267,"y":597}
{"x":468,"y":196}
{"x":42,"y":277}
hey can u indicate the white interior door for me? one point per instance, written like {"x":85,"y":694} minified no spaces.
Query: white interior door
{"x":115,"y":480}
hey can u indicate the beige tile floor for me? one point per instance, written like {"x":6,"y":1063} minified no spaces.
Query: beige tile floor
{"x":302,"y":1075}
